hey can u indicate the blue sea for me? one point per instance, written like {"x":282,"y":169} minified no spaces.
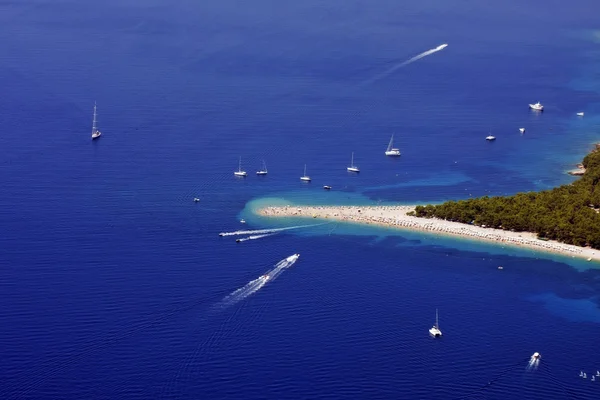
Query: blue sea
{"x":115,"y":284}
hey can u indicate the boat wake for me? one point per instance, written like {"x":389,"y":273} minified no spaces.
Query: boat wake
{"x":265,"y":231}
{"x":254,"y":237}
{"x":256,"y":284}
{"x":403,"y":64}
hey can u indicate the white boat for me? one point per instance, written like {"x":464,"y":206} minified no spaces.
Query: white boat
{"x":263,"y":171}
{"x":391,"y":151}
{"x":522,"y":130}
{"x":242,"y":221}
{"x":95,"y":132}
{"x":293,"y":257}
{"x":584,"y":375}
{"x":580,"y":114}
{"x":239,"y":172}
{"x":490,"y":138}
{"x":326,"y":187}
{"x":265,"y":277}
{"x":305,"y":177}
{"x":196,"y":200}
{"x":537,"y":106}
{"x":352,"y":167}
{"x":536,"y":356}
{"x":435,"y":330}
{"x":581,"y":374}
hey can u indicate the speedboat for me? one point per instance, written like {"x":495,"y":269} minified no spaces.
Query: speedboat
{"x":536,"y":356}
{"x":293,"y":257}
{"x":537,"y":106}
{"x":580,"y":114}
{"x":222,"y":234}
{"x":522,"y":130}
{"x":196,"y":200}
{"x":490,"y":138}
{"x":238,"y":240}
{"x":242,"y":221}
{"x":265,"y":277}
{"x":327,"y":187}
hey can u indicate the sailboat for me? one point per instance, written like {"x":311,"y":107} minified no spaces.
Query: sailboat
{"x":239,"y":172}
{"x":95,"y":132}
{"x":352,"y":167}
{"x":263,"y":171}
{"x":435,"y":330}
{"x":305,"y":177}
{"x":391,"y":151}
{"x":489,"y":137}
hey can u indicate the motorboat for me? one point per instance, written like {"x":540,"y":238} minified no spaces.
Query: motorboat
{"x":352,"y":167}
{"x":239,"y":172}
{"x":537,"y":106}
{"x":238,"y":240}
{"x":305,"y":178}
{"x":580,"y":114}
{"x":327,"y":187}
{"x":500,"y":267}
{"x":265,"y":277}
{"x":242,"y":221}
{"x":196,"y":200}
{"x":391,"y":151}
{"x":435,"y":330}
{"x":293,"y":257}
{"x":522,"y":130}
{"x":536,"y":356}
{"x":222,"y":234}
{"x":490,"y":138}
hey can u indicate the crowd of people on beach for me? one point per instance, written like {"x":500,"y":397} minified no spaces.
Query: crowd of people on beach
{"x":390,"y":216}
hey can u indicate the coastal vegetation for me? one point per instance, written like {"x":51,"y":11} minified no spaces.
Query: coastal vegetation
{"x":568,"y":213}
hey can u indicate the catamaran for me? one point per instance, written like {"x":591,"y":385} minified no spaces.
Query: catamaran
{"x":95,"y":132}
{"x":239,"y":172}
{"x":391,"y":151}
{"x":305,"y":177}
{"x":435,"y":330}
{"x":352,"y":167}
{"x":263,"y":171}
{"x":537,"y":106}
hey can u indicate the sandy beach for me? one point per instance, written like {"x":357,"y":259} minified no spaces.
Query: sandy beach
{"x":395,"y":216}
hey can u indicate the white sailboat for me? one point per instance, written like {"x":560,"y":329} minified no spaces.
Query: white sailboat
{"x":435,"y":330}
{"x":95,"y":132}
{"x":263,"y":171}
{"x":352,"y":167}
{"x":490,"y":137}
{"x":305,"y":177}
{"x":239,"y":172}
{"x":391,"y":151}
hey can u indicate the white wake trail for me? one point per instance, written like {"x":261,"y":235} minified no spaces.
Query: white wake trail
{"x":264,"y":231}
{"x":256,"y":284}
{"x":254,"y":237}
{"x":403,"y":64}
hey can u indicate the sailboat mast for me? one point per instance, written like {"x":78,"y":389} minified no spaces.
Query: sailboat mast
{"x":352,"y":160}
{"x":437,"y":323}
{"x":94,"y":127}
{"x":304,"y":169}
{"x":240,"y":165}
{"x":391,"y":143}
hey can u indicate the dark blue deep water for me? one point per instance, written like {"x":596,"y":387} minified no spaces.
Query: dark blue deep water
{"x":112,"y":279}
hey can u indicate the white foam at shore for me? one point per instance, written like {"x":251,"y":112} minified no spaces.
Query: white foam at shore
{"x":395,"y":216}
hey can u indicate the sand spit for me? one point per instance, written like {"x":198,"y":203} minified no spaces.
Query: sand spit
{"x":395,"y":216}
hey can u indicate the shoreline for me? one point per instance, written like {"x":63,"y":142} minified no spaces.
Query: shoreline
{"x":396,"y":217}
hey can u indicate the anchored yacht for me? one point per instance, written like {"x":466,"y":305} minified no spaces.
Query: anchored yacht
{"x":352,"y":167}
{"x":435,"y":330}
{"x":391,"y":150}
{"x":305,"y":178}
{"x":95,"y":132}
{"x":537,"y":106}
{"x":239,"y":172}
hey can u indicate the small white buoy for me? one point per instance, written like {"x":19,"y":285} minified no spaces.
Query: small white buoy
{"x":522,"y":130}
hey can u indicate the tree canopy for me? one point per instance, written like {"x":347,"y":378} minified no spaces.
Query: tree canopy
{"x":568,"y":213}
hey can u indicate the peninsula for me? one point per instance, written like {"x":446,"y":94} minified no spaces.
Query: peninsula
{"x":564,"y":220}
